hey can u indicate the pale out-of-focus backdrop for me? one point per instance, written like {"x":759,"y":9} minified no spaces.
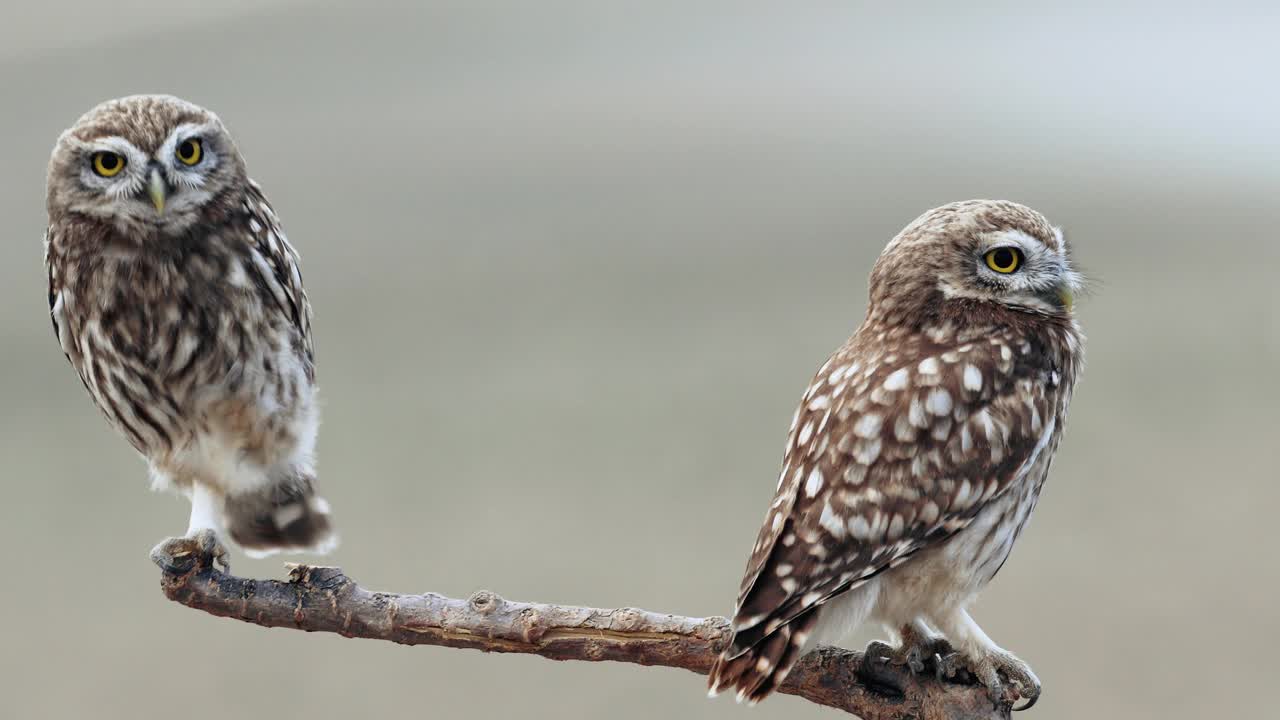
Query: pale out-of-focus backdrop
{"x":572,"y":266}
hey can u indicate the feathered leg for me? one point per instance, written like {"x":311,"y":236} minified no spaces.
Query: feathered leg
{"x":203,"y":533}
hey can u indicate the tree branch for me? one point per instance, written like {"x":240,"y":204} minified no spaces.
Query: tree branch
{"x":323,"y":599}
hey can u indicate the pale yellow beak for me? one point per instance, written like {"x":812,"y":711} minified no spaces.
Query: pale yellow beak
{"x":156,"y":189}
{"x":1067,"y":297}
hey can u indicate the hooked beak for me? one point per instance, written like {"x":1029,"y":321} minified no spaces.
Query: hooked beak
{"x":156,"y":189}
{"x":1066,"y":296}
{"x":1060,"y":296}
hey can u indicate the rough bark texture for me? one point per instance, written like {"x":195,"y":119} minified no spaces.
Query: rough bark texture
{"x":323,"y":599}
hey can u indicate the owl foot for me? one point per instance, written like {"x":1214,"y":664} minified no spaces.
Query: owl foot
{"x":880,"y":671}
{"x":1007,"y":678}
{"x":920,"y":649}
{"x":885,"y":667}
{"x":917,"y":650}
{"x":180,"y":555}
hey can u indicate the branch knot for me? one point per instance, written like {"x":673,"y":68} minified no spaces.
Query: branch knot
{"x":484,"y":602}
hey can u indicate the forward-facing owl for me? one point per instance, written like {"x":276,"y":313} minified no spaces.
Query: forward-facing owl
{"x":178,"y":300}
{"x":917,"y":454}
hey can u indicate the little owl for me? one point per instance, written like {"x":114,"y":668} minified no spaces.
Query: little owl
{"x":917,"y":454}
{"x":178,"y":300}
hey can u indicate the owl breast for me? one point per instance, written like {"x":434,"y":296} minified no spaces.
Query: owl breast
{"x":951,"y":574}
{"x":188,"y":351}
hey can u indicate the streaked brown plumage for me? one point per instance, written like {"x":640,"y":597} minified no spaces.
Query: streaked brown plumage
{"x":918,"y":452}
{"x":179,"y":302}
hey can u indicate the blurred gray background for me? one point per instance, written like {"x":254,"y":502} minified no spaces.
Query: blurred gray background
{"x":574,"y":263}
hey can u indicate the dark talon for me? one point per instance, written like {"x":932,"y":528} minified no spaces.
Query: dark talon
{"x":1031,"y":701}
{"x":951,"y":667}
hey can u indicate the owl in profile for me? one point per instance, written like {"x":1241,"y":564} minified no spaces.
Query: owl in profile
{"x":179,"y":302}
{"x":917,"y":455}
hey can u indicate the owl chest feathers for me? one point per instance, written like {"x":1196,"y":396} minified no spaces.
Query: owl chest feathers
{"x":951,"y":574}
{"x":180,"y":342}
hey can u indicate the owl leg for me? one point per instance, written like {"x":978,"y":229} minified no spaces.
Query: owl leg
{"x":917,"y":646}
{"x":990,"y":664}
{"x":201,"y":541}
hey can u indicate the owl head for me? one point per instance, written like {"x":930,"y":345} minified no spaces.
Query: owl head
{"x":149,"y":165}
{"x":991,"y":251}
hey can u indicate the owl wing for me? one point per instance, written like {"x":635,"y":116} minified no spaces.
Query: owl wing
{"x":278,"y":264}
{"x":882,"y":462}
{"x":62,"y":329}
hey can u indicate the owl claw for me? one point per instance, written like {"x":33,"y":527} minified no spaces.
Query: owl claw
{"x":881,"y":652}
{"x":1025,"y":682}
{"x":877,"y":669}
{"x":950,"y":666}
{"x":916,"y":652}
{"x":180,"y":555}
{"x":1007,"y":678}
{"x":926,"y":651}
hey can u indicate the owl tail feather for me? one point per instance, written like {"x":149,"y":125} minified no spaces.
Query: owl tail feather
{"x":285,"y":516}
{"x":758,"y":670}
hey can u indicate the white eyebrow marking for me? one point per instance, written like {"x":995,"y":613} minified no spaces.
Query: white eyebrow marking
{"x":1011,"y":237}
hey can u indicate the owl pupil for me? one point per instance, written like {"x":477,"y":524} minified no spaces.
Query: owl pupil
{"x":109,"y":162}
{"x":1004,"y":258}
{"x":188,"y":149}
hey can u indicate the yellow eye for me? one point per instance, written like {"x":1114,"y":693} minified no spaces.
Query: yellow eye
{"x":1004,"y":259}
{"x":108,"y":164}
{"x":189,"y":151}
